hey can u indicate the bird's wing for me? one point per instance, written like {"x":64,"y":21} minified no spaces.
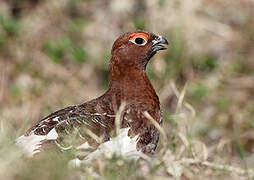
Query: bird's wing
{"x":84,"y":121}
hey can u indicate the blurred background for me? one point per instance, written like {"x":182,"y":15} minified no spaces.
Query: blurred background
{"x":55,"y":53}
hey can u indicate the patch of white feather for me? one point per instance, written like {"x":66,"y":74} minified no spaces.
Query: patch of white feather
{"x":84,"y":146}
{"x":56,"y":119}
{"x":52,"y":135}
{"x":31,"y":144}
{"x":121,"y":145}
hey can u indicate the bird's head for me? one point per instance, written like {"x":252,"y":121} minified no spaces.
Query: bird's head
{"x":135,"y":49}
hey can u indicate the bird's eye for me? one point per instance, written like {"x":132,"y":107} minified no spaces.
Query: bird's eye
{"x":139,"y":41}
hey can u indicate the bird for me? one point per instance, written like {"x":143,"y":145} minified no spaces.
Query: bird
{"x":94,"y":122}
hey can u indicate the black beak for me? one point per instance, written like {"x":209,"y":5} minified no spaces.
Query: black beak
{"x":157,"y":44}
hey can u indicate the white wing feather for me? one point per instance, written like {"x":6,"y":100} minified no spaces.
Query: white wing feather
{"x":31,"y":144}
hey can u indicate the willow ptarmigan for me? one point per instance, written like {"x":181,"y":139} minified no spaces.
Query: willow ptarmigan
{"x":128,"y":83}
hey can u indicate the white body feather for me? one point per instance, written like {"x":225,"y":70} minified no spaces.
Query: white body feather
{"x":121,"y":145}
{"x":32,"y":142}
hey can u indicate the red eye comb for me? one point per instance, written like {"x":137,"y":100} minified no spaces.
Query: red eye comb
{"x":143,"y":35}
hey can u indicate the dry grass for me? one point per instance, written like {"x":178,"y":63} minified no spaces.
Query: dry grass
{"x":55,"y":53}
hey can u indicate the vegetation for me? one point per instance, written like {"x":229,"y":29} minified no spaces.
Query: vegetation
{"x":55,"y":53}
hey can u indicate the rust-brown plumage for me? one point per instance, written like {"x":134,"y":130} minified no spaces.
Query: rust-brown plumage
{"x":128,"y":83}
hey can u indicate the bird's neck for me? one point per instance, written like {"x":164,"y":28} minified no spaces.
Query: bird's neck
{"x":131,"y":84}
